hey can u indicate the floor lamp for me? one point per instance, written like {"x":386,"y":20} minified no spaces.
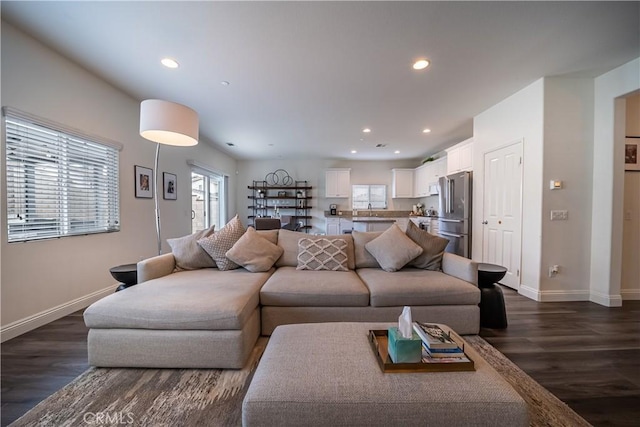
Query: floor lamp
{"x":165,"y":122}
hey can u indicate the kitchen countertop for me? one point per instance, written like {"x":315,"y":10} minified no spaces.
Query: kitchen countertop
{"x":372,"y":219}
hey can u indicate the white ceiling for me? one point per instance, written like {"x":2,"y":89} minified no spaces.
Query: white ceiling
{"x":307,"y":77}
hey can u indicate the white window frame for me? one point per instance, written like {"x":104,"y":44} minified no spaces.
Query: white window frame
{"x":223,"y":198}
{"x":59,"y":181}
{"x":365,"y":196}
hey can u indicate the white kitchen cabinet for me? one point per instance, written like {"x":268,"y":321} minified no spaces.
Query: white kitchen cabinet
{"x":435,"y":170}
{"x":460,"y":157}
{"x":338,"y":183}
{"x":335,"y":226}
{"x":402,"y":186}
{"x":371,"y":225}
{"x":421,"y":181}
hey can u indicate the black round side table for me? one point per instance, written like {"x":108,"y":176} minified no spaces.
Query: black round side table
{"x":126,"y":274}
{"x":492,"y":310}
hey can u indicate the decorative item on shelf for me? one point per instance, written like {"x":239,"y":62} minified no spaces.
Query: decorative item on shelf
{"x":169,"y":123}
{"x":261,"y":194}
{"x":279,"y":177}
{"x":428,"y":159}
{"x":282,"y":194}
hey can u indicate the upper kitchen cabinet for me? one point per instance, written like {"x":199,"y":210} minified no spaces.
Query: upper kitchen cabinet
{"x":460,"y":157}
{"x":421,"y":181}
{"x":338,"y":183}
{"x":402,"y":183}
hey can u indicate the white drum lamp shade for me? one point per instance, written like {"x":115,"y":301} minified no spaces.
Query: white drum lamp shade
{"x":168,"y":123}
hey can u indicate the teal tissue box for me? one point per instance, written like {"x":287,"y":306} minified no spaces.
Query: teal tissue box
{"x":404,"y":350}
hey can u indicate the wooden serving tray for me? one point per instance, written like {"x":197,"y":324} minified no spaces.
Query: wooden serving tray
{"x":378,"y":340}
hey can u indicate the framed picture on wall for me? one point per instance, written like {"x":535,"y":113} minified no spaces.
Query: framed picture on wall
{"x":632,"y":154}
{"x":170,"y":186}
{"x":143,"y":182}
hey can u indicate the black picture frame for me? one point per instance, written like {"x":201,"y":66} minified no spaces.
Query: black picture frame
{"x":169,"y":186}
{"x":143,"y":181}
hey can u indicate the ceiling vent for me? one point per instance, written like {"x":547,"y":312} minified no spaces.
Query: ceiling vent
{"x":381,"y":145}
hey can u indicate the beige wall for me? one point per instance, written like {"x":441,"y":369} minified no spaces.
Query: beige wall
{"x":45,"y":280}
{"x":630,"y":286}
{"x":608,"y":181}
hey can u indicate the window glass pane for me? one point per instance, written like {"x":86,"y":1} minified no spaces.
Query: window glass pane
{"x":198,"y":217}
{"x":58,"y":184}
{"x":369,"y":196}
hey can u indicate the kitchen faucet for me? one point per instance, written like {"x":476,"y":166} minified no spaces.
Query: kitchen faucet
{"x":369,"y":207}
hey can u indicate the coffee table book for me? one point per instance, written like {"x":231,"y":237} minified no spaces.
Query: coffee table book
{"x":378,"y":340}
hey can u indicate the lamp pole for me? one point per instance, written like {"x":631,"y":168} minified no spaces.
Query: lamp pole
{"x":155,"y":188}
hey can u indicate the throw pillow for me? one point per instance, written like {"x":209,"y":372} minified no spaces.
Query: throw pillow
{"x":254,"y":252}
{"x":188,"y":254}
{"x":432,"y":248}
{"x":322,"y":254}
{"x":219,"y":243}
{"x":393,"y":249}
{"x":363,"y":258}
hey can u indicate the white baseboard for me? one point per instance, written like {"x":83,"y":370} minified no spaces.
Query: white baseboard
{"x":606,"y":299}
{"x":630,"y":294}
{"x":528,"y":292}
{"x":30,"y":323}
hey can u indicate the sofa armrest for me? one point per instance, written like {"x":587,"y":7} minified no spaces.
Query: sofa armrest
{"x":460,"y":267}
{"x":157,"y":266}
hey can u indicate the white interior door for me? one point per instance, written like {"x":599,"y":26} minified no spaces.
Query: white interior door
{"x":502,"y":221}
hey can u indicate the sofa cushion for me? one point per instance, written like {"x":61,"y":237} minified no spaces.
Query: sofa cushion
{"x":432,"y":248}
{"x":363,"y":258}
{"x":322,"y":254}
{"x":414,"y":286}
{"x":206,"y":299}
{"x":219,"y":243}
{"x":393,"y":249}
{"x":188,"y":254}
{"x":288,"y":240}
{"x":254,"y":252}
{"x":288,"y":287}
{"x":270,"y":235}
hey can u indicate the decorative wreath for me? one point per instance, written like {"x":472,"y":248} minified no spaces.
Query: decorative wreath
{"x":278,"y":177}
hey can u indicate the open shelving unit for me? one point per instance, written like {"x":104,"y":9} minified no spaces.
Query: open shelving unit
{"x":279,"y":201}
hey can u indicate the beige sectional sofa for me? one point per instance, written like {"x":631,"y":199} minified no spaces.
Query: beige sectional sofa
{"x":208,"y":318}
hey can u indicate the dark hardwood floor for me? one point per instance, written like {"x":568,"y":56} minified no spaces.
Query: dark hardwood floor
{"x":585,"y":354}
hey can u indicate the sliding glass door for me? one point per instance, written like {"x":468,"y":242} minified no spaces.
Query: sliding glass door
{"x":208,"y":201}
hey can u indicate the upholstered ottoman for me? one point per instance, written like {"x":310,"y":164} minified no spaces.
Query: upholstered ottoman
{"x":326,"y":374}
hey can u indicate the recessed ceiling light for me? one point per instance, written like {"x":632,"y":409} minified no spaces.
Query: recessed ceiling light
{"x":170,"y":63}
{"x":225,"y":83}
{"x":420,"y":64}
{"x":366,"y":130}
{"x":396,"y":152}
{"x":426,"y":130}
{"x":353,"y":151}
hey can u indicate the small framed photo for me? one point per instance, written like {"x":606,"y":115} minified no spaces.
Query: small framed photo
{"x":632,"y":154}
{"x":170,"y":186}
{"x":144,"y":182}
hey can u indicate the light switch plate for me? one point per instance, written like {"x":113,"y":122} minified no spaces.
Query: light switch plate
{"x":559,"y":215}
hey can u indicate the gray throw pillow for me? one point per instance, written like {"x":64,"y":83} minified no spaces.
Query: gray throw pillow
{"x":432,"y":248}
{"x":393,"y":249}
{"x":188,"y":254}
{"x":322,"y":254}
{"x":254,"y":252}
{"x":219,"y":243}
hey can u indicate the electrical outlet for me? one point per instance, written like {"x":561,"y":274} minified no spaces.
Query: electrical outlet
{"x":559,"y":215}
{"x":553,"y":270}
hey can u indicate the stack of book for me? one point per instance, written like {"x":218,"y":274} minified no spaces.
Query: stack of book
{"x":437,"y":345}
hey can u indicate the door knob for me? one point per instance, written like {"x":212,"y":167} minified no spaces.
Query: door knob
{"x":485,"y":222}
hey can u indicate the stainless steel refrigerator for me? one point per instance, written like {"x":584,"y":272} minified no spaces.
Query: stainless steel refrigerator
{"x":455,"y":212}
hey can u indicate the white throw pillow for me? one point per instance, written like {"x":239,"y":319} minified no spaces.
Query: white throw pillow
{"x":188,"y":254}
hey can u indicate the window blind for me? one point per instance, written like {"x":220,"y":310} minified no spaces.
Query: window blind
{"x":59,"y":182}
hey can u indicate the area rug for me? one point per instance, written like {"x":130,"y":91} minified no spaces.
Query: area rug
{"x":213,"y":397}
